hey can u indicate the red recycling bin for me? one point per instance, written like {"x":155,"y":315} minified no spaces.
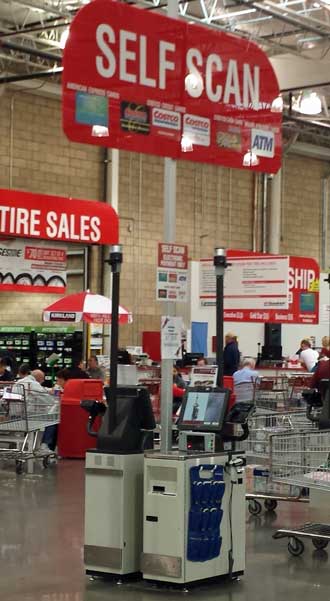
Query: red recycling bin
{"x":73,"y":439}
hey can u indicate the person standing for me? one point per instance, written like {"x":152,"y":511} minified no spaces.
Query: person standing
{"x":94,"y":370}
{"x":322,"y":372}
{"x":5,"y":374}
{"x":231,"y":355}
{"x":325,"y":351}
{"x":77,"y":371}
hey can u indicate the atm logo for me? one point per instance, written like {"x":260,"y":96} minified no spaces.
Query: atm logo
{"x":263,"y":143}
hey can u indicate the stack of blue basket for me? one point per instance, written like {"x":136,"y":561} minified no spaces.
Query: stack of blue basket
{"x":205,"y":515}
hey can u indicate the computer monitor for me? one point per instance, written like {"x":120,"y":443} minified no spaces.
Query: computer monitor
{"x":191,"y":358}
{"x":271,"y":353}
{"x":204,"y":409}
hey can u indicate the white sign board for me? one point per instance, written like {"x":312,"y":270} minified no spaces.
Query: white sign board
{"x":325,"y":314}
{"x":32,"y":266}
{"x":172,"y":285}
{"x":172,"y":273}
{"x":171,"y":329}
{"x":204,"y":376}
{"x":249,"y":283}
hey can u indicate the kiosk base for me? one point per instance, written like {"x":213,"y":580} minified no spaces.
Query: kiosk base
{"x":113,"y":513}
{"x":168,"y":539}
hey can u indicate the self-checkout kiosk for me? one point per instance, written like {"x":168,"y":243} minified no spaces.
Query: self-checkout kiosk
{"x":178,"y":516}
{"x":114,"y":470}
{"x":194,"y":498}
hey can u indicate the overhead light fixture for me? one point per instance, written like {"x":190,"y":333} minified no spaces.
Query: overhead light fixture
{"x":277,"y":104}
{"x":100,"y":131}
{"x":194,"y":85}
{"x":64,"y":38}
{"x":308,"y":103}
{"x":186,"y":144}
{"x":250,"y":159}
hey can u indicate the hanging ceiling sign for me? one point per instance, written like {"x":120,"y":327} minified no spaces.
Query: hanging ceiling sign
{"x":140,"y":81}
{"x":27,"y":215}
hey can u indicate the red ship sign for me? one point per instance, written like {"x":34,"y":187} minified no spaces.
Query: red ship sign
{"x":141,"y":81}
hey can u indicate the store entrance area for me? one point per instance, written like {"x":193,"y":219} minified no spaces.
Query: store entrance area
{"x":42,"y":545}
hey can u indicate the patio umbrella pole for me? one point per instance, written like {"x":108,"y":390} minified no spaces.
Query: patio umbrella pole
{"x":115,"y":260}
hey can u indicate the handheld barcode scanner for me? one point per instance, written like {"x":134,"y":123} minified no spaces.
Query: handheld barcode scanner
{"x":114,"y":470}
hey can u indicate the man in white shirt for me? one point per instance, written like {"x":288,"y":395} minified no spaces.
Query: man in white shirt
{"x":31,"y":381}
{"x":36,"y":396}
{"x":308,"y":356}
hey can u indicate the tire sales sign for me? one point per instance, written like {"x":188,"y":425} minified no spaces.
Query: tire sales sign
{"x":140,"y":81}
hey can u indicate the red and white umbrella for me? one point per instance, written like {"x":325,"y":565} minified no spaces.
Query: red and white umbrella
{"x":84,"y":306}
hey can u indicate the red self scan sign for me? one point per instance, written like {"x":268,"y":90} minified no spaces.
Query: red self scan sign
{"x":172,"y":256}
{"x":141,"y":81}
{"x":27,"y":215}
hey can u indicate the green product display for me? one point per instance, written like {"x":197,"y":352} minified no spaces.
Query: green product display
{"x":54,"y":330}
{"x":15,"y":329}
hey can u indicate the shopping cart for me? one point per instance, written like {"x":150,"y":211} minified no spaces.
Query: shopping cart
{"x":24,"y":415}
{"x":257,"y":447}
{"x":271,"y":394}
{"x":296,"y":386}
{"x":302,"y":459}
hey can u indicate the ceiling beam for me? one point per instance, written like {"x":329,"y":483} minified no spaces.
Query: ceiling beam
{"x":49,"y":56}
{"x":26,"y":76}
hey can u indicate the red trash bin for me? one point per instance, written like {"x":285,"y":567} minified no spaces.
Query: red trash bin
{"x":73,"y":439}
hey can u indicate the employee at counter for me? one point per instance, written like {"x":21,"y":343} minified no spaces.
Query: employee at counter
{"x":308,"y":356}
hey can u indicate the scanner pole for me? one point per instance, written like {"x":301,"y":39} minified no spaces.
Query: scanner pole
{"x":220,"y":264}
{"x":115,"y":260}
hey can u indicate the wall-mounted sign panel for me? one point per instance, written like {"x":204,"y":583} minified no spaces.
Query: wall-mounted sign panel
{"x":172,"y":272}
{"x":140,"y":81}
{"x":264,"y":288}
{"x":36,"y":267}
{"x":27,"y":215}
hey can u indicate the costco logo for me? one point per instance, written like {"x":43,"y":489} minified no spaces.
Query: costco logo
{"x":197,"y":129}
{"x":167,"y":119}
{"x":263,"y":143}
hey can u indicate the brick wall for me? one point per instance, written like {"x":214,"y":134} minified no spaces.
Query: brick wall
{"x":35,"y":156}
{"x":214,"y":204}
{"x":301,"y":206}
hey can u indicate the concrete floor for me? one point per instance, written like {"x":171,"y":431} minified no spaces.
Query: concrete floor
{"x":41,"y":539}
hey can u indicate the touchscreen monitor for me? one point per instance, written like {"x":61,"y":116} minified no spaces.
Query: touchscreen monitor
{"x":204,"y":409}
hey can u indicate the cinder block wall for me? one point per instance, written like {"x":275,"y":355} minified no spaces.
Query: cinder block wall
{"x":36,"y":156}
{"x":214,"y":204}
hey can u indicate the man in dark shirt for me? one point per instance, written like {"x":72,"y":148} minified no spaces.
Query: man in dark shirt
{"x":5,"y":374}
{"x":231,"y":355}
{"x":322,"y":372}
{"x":77,"y":371}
